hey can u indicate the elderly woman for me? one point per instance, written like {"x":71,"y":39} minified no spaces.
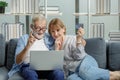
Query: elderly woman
{"x":77,"y":62}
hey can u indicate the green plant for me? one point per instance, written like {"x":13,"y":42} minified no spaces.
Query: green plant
{"x":3,"y":4}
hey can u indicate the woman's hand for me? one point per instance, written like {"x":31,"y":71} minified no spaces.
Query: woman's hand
{"x":58,"y":43}
{"x":79,"y":37}
{"x":80,"y":34}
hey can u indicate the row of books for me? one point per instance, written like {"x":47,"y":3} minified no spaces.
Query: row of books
{"x":114,"y":36}
{"x":25,"y":6}
{"x":12,"y":30}
{"x":103,"y":6}
{"x":97,"y":30}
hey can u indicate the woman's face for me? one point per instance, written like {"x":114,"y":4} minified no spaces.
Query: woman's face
{"x":57,"y":31}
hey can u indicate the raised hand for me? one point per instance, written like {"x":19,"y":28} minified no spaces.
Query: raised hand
{"x":31,"y":40}
{"x":80,"y":32}
{"x":79,"y":37}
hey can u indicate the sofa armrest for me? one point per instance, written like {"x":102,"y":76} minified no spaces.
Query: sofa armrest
{"x":96,"y":47}
{"x":11,"y":53}
{"x":114,"y":55}
{"x":2,"y":50}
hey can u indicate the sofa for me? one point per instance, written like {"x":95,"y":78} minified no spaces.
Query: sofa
{"x":107,"y":54}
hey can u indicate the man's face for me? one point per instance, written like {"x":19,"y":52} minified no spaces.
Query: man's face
{"x":40,"y":27}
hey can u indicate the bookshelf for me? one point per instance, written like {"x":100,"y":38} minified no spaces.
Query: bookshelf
{"x":96,"y":12}
{"x":27,"y":8}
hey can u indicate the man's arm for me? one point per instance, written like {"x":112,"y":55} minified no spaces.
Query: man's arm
{"x":21,"y":55}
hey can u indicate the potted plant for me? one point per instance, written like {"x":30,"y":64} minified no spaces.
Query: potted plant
{"x":3,"y":4}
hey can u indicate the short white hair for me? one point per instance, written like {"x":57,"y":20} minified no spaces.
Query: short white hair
{"x":38,"y":17}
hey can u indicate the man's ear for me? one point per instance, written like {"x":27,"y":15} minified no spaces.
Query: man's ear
{"x":31,"y":26}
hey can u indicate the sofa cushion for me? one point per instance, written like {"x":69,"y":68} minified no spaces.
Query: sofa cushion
{"x":3,"y":73}
{"x":114,"y":56}
{"x":16,"y":76}
{"x":96,"y":47}
{"x":2,"y":50}
{"x":11,"y":52}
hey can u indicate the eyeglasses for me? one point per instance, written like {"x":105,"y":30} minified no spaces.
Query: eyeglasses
{"x":38,"y":28}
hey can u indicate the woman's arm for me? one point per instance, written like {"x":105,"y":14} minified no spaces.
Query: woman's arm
{"x":79,"y":37}
{"x":81,"y":41}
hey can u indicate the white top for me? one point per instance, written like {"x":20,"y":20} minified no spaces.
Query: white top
{"x":37,"y":45}
{"x":72,"y":54}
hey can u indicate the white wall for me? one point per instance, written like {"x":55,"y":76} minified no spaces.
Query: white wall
{"x":10,"y":18}
{"x":67,"y":7}
{"x":111,"y":22}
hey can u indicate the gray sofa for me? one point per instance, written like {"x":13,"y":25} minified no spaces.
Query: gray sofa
{"x":107,"y":55}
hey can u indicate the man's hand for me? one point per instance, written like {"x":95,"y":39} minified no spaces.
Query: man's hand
{"x":31,"y":40}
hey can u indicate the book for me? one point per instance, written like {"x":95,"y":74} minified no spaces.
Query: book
{"x":21,"y":6}
{"x":103,"y":6}
{"x":49,"y":8}
{"x":13,"y":6}
{"x":30,"y":6}
{"x":119,"y":6}
{"x":12,"y":30}
{"x":114,"y":33}
{"x":33,"y":6}
{"x":50,"y":12}
{"x":27,"y":6}
{"x":36,"y":6}
{"x":115,"y":39}
{"x":18,"y":6}
{"x":97,"y":30}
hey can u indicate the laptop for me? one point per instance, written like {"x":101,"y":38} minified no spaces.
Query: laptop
{"x":46,"y":60}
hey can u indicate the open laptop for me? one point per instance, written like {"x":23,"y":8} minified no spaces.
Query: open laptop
{"x":46,"y":60}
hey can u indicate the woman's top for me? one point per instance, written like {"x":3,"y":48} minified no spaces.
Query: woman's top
{"x":72,"y":55}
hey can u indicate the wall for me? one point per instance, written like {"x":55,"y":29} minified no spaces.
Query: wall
{"x":111,"y":22}
{"x":10,"y":18}
{"x":67,"y":7}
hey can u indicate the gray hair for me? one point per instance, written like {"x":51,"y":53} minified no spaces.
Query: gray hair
{"x":38,"y":17}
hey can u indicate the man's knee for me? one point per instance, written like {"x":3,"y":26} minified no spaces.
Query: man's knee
{"x":31,"y":74}
{"x":58,"y":73}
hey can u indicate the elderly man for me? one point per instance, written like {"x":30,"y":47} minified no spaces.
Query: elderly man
{"x":36,"y":40}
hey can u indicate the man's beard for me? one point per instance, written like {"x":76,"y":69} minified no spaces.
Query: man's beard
{"x":39,"y":36}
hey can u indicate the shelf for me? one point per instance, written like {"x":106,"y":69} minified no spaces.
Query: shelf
{"x":97,"y":14}
{"x":50,"y":14}
{"x":106,"y":14}
{"x":53,"y":14}
{"x":18,"y":13}
{"x":80,"y":14}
